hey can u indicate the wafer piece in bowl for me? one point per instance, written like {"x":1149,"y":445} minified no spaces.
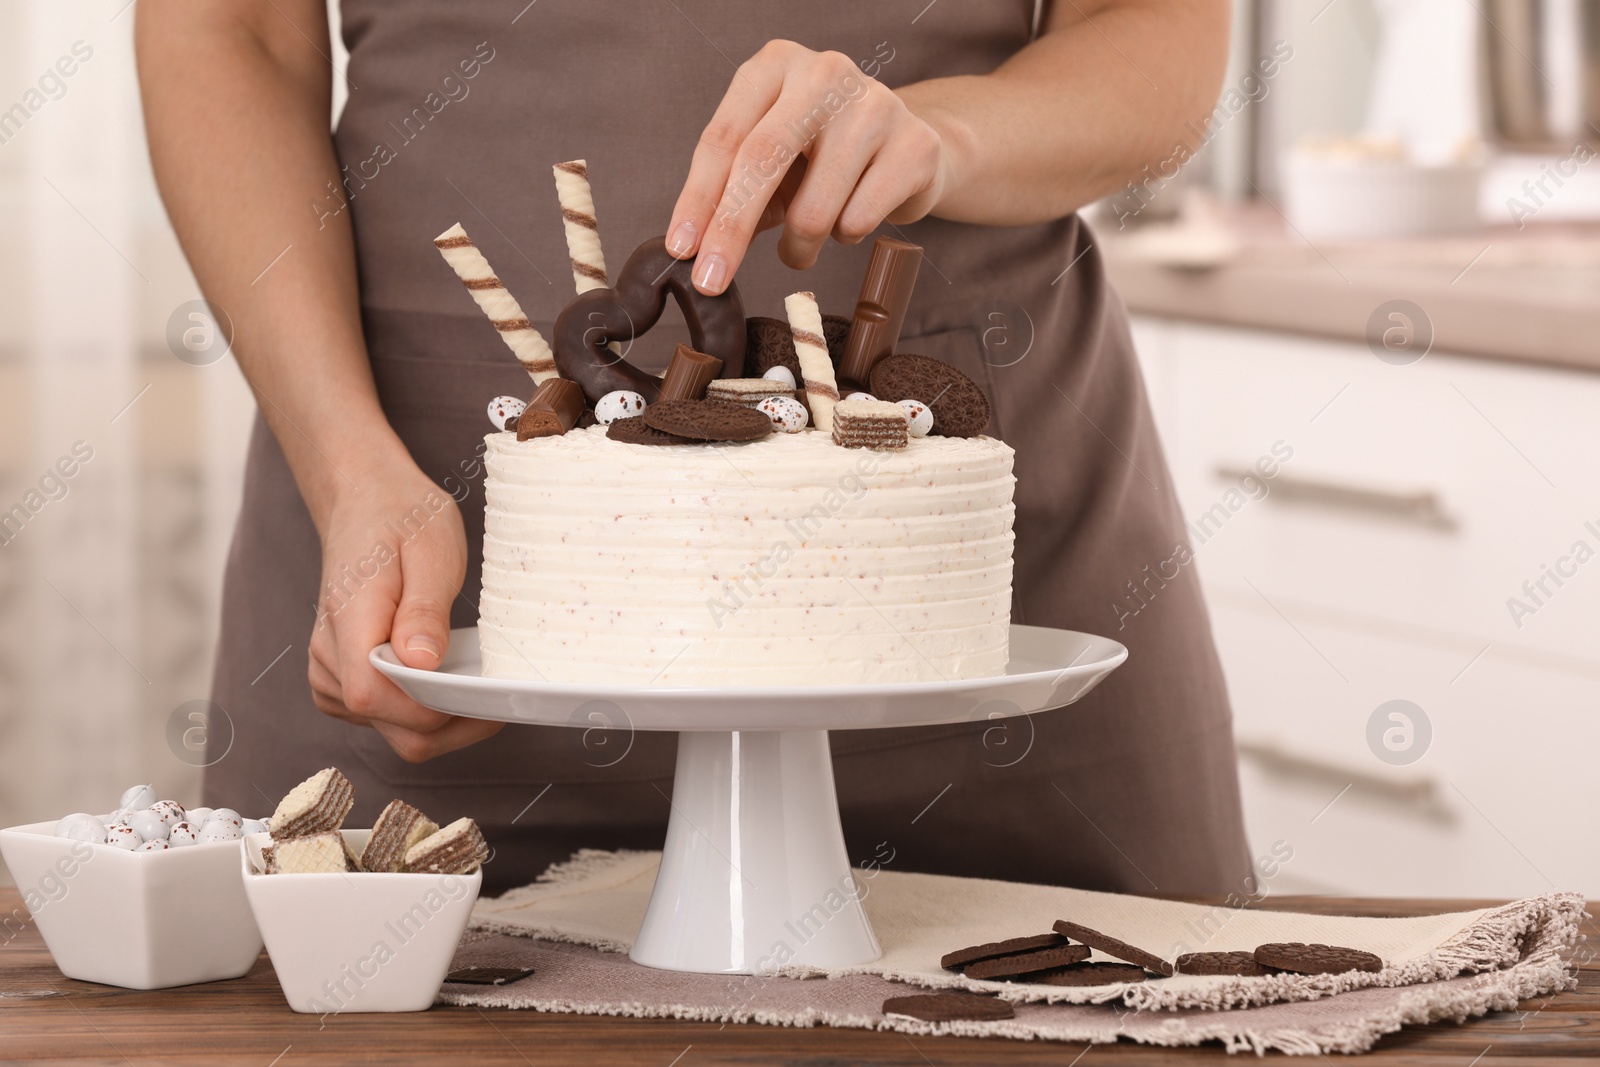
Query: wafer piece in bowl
{"x":457,"y":849}
{"x":399,"y":827}
{"x":323,"y":853}
{"x":317,"y":804}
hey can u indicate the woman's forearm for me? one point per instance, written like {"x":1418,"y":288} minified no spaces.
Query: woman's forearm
{"x":236,"y":103}
{"x":1109,"y":87}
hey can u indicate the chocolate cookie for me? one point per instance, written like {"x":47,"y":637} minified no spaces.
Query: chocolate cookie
{"x":633,"y":430}
{"x":950,"y":1007}
{"x":708,"y":420}
{"x":954,"y":961}
{"x":1044,"y":959}
{"x":1110,"y":945}
{"x":770,"y":343}
{"x":1301,"y":958}
{"x":1088,"y":974}
{"x":959,"y":407}
{"x":1241,"y":964}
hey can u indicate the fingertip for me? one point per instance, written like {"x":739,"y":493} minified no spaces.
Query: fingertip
{"x":711,"y":274}
{"x":683,"y":239}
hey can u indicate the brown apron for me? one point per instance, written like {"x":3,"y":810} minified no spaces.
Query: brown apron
{"x":456,"y":113}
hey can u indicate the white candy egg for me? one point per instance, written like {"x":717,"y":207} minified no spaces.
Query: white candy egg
{"x":919,"y":418}
{"x":782,"y":374}
{"x":138,"y":797}
{"x":182,"y":835}
{"x":171,"y":812}
{"x":504,"y":409}
{"x":618,"y":404}
{"x":219,"y":830}
{"x":148,"y":824}
{"x":252,"y":826}
{"x":153,"y":845}
{"x":123,"y":836}
{"x":227,"y":815}
{"x":858,"y":395}
{"x":786,"y":413}
{"x":81,"y":826}
{"x":197,"y":817}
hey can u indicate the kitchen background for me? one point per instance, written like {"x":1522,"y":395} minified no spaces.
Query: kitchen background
{"x":1379,"y":281}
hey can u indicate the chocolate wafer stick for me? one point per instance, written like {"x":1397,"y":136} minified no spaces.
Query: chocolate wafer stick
{"x":822,"y":390}
{"x":491,"y":295}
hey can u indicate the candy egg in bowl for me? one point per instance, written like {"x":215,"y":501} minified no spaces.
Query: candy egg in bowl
{"x":358,"y":941}
{"x":137,"y":919}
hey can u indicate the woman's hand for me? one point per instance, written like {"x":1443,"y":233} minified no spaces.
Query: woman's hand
{"x":393,"y":557}
{"x":804,"y":139}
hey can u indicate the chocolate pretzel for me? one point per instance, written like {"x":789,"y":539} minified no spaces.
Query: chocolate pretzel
{"x":631,"y":307}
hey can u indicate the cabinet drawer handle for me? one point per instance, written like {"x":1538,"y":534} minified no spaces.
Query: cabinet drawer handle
{"x":1422,"y":507}
{"x":1419,"y":796}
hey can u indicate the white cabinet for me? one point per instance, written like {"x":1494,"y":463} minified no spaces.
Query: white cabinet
{"x":1407,"y":505}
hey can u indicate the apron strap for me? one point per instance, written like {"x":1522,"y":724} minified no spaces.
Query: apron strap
{"x":1038,"y":19}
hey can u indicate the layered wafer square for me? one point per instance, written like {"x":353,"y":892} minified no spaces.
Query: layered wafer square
{"x":323,"y":853}
{"x":316,"y":805}
{"x":399,"y":827}
{"x":457,"y":849}
{"x":875,"y":424}
{"x":746,"y":391}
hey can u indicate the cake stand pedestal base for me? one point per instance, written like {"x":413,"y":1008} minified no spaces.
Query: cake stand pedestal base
{"x":754,"y":874}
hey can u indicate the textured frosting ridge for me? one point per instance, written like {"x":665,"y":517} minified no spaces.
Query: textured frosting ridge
{"x":784,"y":561}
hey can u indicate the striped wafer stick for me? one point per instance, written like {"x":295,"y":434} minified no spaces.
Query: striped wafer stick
{"x":822,"y":390}
{"x":525,"y":342}
{"x":578,"y":219}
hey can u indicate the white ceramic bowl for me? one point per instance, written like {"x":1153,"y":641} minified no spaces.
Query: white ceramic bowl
{"x":141,"y":920}
{"x":1378,"y":199}
{"x":358,"y":942}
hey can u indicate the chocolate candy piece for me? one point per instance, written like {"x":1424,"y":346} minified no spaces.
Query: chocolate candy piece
{"x":633,"y":430}
{"x":1113,"y":947}
{"x":708,"y":420}
{"x":1045,"y":959}
{"x":632,"y":306}
{"x":950,"y":1007}
{"x":881,"y":307}
{"x":1302,"y":958}
{"x":959,"y":407}
{"x":1088,"y":974}
{"x":688,"y":374}
{"x":954,"y":961}
{"x":1238,"y":964}
{"x":553,"y":410}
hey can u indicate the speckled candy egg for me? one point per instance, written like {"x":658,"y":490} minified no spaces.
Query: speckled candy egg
{"x":253,"y":826}
{"x":786,"y":413}
{"x":918,"y":417}
{"x":618,"y":404}
{"x":197,"y":817}
{"x":123,"y":836}
{"x":504,"y":411}
{"x":782,"y":374}
{"x":858,"y":395}
{"x":81,"y":826}
{"x":219,"y":830}
{"x":153,"y":845}
{"x":171,"y":812}
{"x":227,"y":815}
{"x":183,"y":835}
{"x":138,"y":797}
{"x":148,"y":824}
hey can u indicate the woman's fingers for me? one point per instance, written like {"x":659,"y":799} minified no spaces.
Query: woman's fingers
{"x":833,"y":170}
{"x":360,"y":626}
{"x":431,"y":572}
{"x":416,"y":746}
{"x":900,"y":184}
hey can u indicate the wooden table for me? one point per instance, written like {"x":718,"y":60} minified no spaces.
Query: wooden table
{"x":47,"y":1018}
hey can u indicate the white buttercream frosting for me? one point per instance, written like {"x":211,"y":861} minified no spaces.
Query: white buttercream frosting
{"x":784,"y":561}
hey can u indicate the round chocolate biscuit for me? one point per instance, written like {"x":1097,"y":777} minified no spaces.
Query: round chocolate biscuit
{"x":954,"y":961}
{"x":708,"y":420}
{"x":1113,"y":947}
{"x":1301,"y":958}
{"x":1088,"y":974}
{"x":769,"y":343}
{"x":950,"y":1007}
{"x":1044,"y":959}
{"x":959,"y":407}
{"x":633,"y":430}
{"x":1238,"y":964}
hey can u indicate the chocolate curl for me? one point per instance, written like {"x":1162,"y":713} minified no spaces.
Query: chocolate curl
{"x":688,"y":375}
{"x":805,"y":324}
{"x":554,"y":410}
{"x":881,"y":308}
{"x":502,"y":308}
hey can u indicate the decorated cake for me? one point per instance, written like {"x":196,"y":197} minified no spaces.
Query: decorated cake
{"x":734,"y":521}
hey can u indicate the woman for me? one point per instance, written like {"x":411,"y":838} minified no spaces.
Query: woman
{"x":372,"y":369}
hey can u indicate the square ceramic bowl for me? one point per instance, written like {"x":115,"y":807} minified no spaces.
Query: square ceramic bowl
{"x":141,"y":920}
{"x":360,"y":941}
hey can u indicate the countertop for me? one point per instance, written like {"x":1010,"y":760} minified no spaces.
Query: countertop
{"x":1531,"y":295}
{"x":45,"y":1017}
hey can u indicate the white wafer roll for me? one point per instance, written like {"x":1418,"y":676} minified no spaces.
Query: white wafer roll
{"x":822,"y":390}
{"x":578,"y":219}
{"x":525,"y":342}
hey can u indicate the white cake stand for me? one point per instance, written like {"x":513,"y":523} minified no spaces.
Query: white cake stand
{"x":754,"y":872}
